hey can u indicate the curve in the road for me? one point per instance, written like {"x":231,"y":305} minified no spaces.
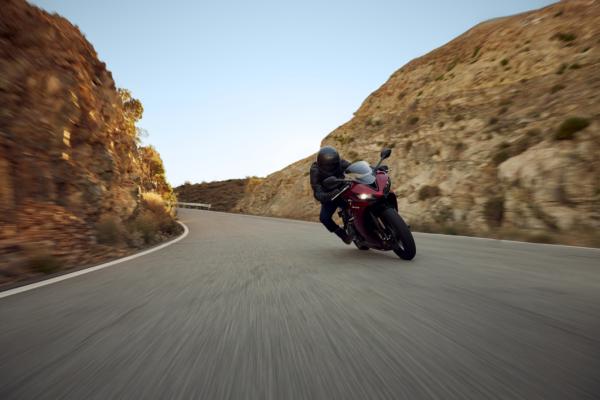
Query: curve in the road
{"x":50,"y":281}
{"x":250,"y":307}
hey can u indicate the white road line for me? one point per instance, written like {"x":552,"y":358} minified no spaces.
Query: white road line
{"x":50,"y":281}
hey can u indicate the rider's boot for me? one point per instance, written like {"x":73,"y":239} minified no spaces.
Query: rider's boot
{"x":343,"y":235}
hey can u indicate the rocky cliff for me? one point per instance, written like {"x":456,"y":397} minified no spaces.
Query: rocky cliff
{"x":496,"y":133}
{"x":69,"y":153}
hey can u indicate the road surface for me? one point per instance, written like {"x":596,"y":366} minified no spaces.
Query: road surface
{"x":260,"y":308}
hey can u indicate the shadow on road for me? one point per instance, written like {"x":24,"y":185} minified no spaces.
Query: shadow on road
{"x":354,"y":255}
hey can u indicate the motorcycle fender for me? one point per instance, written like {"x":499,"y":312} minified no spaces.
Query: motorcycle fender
{"x":390,"y":201}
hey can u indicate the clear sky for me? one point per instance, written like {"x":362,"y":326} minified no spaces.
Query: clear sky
{"x":238,"y":88}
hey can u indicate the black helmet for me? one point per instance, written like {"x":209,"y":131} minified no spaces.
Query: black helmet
{"x":328,"y":160}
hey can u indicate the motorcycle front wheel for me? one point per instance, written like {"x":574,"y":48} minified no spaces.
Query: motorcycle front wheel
{"x":361,"y":246}
{"x":406,"y":248}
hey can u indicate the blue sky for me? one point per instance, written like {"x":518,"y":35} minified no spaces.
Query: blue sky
{"x":238,"y":88}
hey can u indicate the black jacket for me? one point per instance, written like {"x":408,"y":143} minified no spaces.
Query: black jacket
{"x":317,"y":177}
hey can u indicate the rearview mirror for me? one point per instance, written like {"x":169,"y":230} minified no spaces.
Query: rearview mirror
{"x":385,"y":153}
{"x":330,"y":183}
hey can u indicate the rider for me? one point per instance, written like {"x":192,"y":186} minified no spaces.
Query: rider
{"x":328,"y":164}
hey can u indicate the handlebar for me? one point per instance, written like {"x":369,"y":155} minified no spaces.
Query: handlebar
{"x":342,"y":191}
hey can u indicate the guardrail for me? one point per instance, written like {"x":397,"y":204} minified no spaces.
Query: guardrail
{"x":193,"y":205}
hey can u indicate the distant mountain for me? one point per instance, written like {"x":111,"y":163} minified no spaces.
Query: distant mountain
{"x":496,"y":133}
{"x":221,"y":195}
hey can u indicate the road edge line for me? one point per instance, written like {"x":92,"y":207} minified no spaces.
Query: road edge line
{"x":84,"y":271}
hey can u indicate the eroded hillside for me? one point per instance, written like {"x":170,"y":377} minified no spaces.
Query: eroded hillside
{"x":221,"y":195}
{"x":72,"y":174}
{"x":496,"y":133}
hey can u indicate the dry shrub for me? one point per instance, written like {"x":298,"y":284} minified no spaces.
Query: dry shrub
{"x":570,"y":126}
{"x":413,"y":120}
{"x":541,"y":238}
{"x":153,"y":220}
{"x":556,"y":88}
{"x":154,"y":202}
{"x":508,"y":150}
{"x":146,"y":225}
{"x":110,"y":230}
{"x":427,"y":192}
{"x":564,"y":37}
{"x":43,"y":261}
{"x":493,"y":211}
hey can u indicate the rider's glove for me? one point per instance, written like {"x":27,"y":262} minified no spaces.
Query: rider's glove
{"x":333,"y":193}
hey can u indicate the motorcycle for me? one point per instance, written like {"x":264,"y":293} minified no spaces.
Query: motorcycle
{"x":370,"y":214}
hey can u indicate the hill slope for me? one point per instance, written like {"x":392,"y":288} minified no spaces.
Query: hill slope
{"x":221,"y":195}
{"x":495,"y":133}
{"x":70,"y":162}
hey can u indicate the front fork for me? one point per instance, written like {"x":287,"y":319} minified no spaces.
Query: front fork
{"x":348,"y":220}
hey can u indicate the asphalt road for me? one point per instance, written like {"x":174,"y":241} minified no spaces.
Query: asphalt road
{"x":259,"y":308}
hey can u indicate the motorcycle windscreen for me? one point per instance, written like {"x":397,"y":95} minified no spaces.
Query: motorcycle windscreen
{"x":361,"y":172}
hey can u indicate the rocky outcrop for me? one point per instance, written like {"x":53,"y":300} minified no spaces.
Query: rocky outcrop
{"x":496,"y":133}
{"x":68,"y":144}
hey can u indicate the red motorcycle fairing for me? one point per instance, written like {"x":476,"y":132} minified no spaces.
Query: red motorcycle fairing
{"x":358,"y":208}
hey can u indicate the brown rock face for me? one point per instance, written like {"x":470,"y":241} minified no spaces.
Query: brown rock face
{"x":504,"y":121}
{"x":68,"y":154}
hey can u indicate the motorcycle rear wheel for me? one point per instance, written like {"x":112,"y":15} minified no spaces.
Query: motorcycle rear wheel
{"x":394,"y":222}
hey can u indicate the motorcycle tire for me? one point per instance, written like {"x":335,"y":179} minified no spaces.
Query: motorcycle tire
{"x":361,"y":247}
{"x":393,"y":221}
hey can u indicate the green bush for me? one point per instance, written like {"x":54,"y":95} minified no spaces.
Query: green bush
{"x":562,"y":69}
{"x":575,"y":66}
{"x":570,"y":126}
{"x":504,"y":62}
{"x":428,"y":192}
{"x":413,"y":120}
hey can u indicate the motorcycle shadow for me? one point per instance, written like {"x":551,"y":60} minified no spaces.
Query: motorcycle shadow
{"x":354,"y":254}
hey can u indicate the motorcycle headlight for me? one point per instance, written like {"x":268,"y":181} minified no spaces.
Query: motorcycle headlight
{"x":365,"y":196}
